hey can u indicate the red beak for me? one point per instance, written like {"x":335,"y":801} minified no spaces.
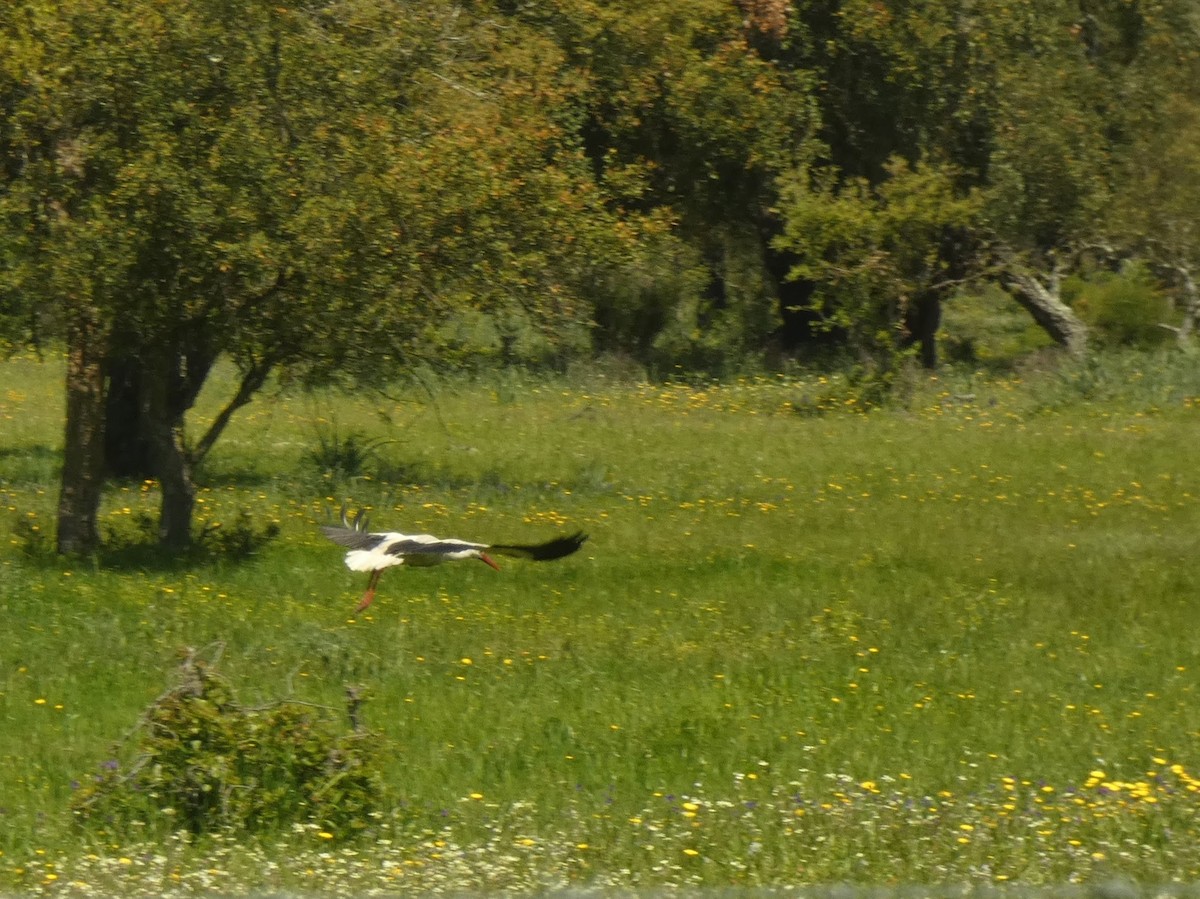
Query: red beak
{"x":483,"y":557}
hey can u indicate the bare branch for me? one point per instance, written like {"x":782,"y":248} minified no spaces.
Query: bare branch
{"x":252,"y":380}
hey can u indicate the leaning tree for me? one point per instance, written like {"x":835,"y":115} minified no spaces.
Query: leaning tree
{"x":1032,"y":109}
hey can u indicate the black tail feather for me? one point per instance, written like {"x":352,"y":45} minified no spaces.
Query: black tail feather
{"x":542,"y":552}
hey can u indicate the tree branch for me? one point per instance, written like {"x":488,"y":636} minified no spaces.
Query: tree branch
{"x":252,"y":381}
{"x":1043,"y":303}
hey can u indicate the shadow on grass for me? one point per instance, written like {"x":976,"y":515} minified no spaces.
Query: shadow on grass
{"x":153,"y":557}
{"x":212,"y":478}
{"x":209,"y":478}
{"x":39,"y":451}
{"x":41,"y":463}
{"x":137,"y":547}
{"x":24,"y":465}
{"x":148,"y":557}
{"x":232,"y":542}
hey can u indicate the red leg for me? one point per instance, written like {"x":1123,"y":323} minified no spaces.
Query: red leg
{"x":369,"y":596}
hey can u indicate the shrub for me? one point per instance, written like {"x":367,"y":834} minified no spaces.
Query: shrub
{"x":342,"y":457}
{"x":206,"y":763}
{"x":1125,"y":309}
{"x":134,"y":539}
{"x":239,"y":539}
{"x":1125,"y":378}
{"x":34,"y":541}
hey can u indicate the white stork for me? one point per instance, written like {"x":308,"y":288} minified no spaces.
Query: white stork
{"x":374,"y":552}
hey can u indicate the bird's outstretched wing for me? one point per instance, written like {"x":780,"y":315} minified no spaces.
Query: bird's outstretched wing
{"x":411,"y":544}
{"x":541,"y":552}
{"x":351,"y":538}
{"x":353,"y":532}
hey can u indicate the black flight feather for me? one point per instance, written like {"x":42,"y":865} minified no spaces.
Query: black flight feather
{"x":351,"y":538}
{"x":353,"y":532}
{"x":414,"y":547}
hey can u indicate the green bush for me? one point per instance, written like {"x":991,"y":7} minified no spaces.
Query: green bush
{"x":237,"y":540}
{"x":1125,"y":309}
{"x":135,"y":537}
{"x":206,"y":763}
{"x":340,"y":457}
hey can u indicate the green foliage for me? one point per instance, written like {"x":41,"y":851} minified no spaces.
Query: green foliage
{"x":194,"y":170}
{"x":914,"y":80}
{"x":342,"y":457}
{"x":857,"y":388}
{"x":1153,"y":379}
{"x":138,"y":529}
{"x":32,"y":537}
{"x":1049,"y":174}
{"x":1126,"y":309}
{"x":686,"y":124}
{"x":206,"y":763}
{"x":317,"y":189}
{"x":873,"y":250}
{"x":227,"y":190}
{"x":1153,"y":210}
{"x":1066,"y":123}
{"x":238,"y":540}
{"x":716,"y":333}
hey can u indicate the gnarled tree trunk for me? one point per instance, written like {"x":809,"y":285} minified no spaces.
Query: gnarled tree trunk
{"x":1191,"y":309}
{"x":83,"y":449}
{"x":167,"y":397}
{"x":163,"y":429}
{"x":1047,"y":309}
{"x":128,"y":444}
{"x":175,"y":478}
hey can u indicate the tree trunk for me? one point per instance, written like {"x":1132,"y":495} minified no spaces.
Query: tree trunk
{"x":922,"y":319}
{"x":1047,"y":309}
{"x":163,"y":426}
{"x":1191,"y":309}
{"x":150,"y":390}
{"x":178,"y":488}
{"x":83,"y":450}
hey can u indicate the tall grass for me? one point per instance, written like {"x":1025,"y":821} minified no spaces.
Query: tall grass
{"x":949,"y":642}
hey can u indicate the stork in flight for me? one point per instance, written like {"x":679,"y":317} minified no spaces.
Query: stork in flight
{"x":374,"y":552}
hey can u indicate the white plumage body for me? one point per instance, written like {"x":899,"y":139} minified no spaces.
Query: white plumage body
{"x":384,"y":555}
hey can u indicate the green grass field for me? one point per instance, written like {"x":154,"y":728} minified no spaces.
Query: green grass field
{"x":949,"y":642}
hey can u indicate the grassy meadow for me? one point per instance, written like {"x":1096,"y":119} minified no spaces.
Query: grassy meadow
{"x":949,"y":642}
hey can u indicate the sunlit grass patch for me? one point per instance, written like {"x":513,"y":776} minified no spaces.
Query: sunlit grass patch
{"x":949,"y":642}
{"x":756,"y":830}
